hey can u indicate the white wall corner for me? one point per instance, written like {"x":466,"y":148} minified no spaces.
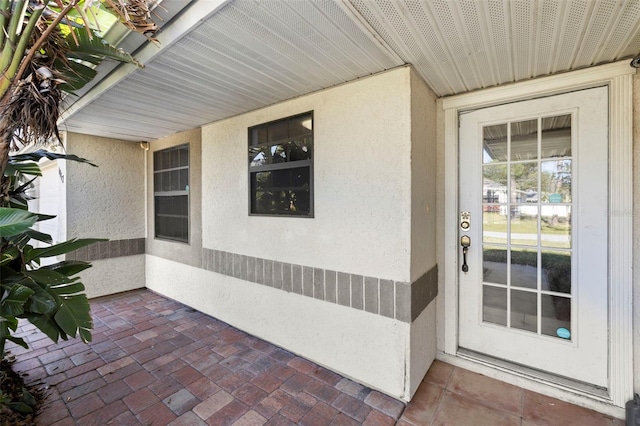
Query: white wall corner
{"x":422,"y":348}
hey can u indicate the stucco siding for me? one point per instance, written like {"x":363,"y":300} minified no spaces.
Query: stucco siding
{"x":361,"y":174}
{"x":108,"y":200}
{"x":422,"y":350}
{"x":111,"y":276}
{"x":366,"y":347}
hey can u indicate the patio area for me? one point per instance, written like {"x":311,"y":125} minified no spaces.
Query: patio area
{"x":154,"y":361}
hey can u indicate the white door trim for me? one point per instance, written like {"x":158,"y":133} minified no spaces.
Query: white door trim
{"x":619,"y":78}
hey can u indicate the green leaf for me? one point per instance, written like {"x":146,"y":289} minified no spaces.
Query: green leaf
{"x":75,"y":74}
{"x":97,"y":47}
{"x":30,"y":168}
{"x":43,"y":217}
{"x":18,"y":341}
{"x":7,"y":324}
{"x":42,"y":153}
{"x":15,"y":221}
{"x":74,"y":317}
{"x":41,"y":302}
{"x":12,"y":304}
{"x":57,"y":249}
{"x":20,"y":407}
{"x":8,"y":255}
{"x":68,"y":267}
{"x":39,"y":236}
{"x":47,"y":277}
{"x":46,"y":324}
{"x":28,"y":398}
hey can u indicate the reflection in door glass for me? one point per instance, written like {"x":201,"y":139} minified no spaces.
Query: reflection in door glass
{"x":555,"y":181}
{"x":524,"y":182}
{"x":494,"y":265}
{"x":524,"y":268}
{"x":556,"y":136}
{"x":526,"y":225}
{"x":524,"y":310}
{"x":494,"y":147}
{"x":556,"y":271}
{"x":555,"y":226}
{"x":524,"y":140}
{"x":494,"y":225}
{"x":556,"y":316}
{"x":494,"y":309}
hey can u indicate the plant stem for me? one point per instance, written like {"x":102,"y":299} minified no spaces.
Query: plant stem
{"x":5,"y":7}
{"x":7,"y":52}
{"x":18,"y":55}
{"x":43,"y":37}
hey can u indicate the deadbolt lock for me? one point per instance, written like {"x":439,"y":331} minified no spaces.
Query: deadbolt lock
{"x":465,"y":221}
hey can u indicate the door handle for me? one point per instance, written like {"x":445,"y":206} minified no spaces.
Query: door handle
{"x":465,"y":242}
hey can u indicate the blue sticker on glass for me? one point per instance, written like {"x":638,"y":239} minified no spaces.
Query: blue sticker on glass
{"x":563,"y":333}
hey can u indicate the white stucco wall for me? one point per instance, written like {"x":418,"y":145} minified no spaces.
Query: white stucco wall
{"x":111,"y":276}
{"x":108,"y":200}
{"x":49,"y":192}
{"x":362,"y":173}
{"x":363,"y":149}
{"x":423,"y":177}
{"x":366,"y":347}
{"x":422,"y":350}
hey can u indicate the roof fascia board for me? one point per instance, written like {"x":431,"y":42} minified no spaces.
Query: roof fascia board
{"x":196,"y":13}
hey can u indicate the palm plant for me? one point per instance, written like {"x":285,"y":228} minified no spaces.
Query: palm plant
{"x":46,"y":48}
{"x":50,"y":47}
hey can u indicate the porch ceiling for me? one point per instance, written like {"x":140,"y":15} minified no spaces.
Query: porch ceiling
{"x":246,"y":54}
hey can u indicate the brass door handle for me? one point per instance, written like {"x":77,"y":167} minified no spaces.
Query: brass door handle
{"x":465,"y":242}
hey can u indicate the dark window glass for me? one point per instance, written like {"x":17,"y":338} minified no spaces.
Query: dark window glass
{"x":171,"y":193}
{"x":281,"y":167}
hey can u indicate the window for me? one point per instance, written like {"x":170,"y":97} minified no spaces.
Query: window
{"x":171,"y":193}
{"x":281,"y":167}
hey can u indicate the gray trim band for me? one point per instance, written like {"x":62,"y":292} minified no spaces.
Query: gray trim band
{"x":108,"y":250}
{"x":392,"y":299}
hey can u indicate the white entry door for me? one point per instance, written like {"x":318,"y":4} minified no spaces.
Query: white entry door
{"x":533,"y":178}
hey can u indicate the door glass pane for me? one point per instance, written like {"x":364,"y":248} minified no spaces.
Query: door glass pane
{"x":494,"y":305}
{"x":524,"y":268}
{"x":556,"y":136}
{"x":555,"y":226}
{"x":524,"y":140}
{"x":555,"y":181}
{"x":494,"y":147}
{"x":524,"y":310}
{"x":524,"y":182}
{"x":494,"y":182}
{"x":524,"y":225}
{"x":556,"y":316}
{"x":494,"y":265}
{"x":556,"y":271}
{"x":494,"y":225}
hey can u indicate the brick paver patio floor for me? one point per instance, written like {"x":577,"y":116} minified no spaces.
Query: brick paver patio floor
{"x":154,"y":361}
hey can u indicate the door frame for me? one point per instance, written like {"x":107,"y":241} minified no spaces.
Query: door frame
{"x":618,"y":77}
